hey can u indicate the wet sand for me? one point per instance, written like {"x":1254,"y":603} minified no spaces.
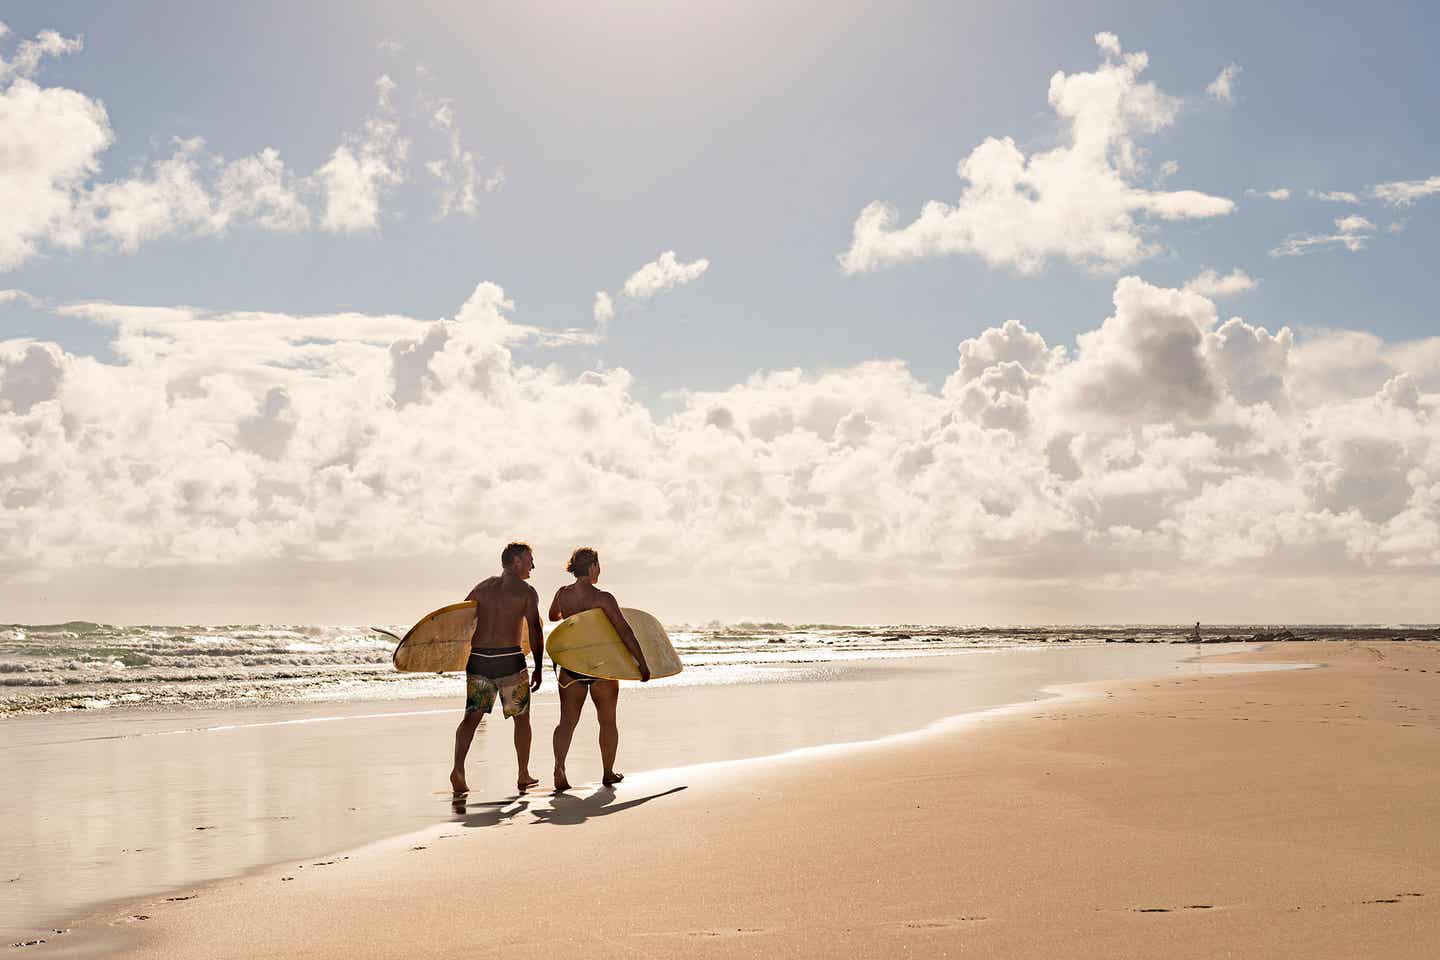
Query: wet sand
{"x":1268,"y":814}
{"x":123,"y":804}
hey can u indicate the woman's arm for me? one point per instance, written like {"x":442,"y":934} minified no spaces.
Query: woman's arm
{"x":627,"y":635}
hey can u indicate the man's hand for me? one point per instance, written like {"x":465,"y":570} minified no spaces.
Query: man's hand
{"x":536,"y":680}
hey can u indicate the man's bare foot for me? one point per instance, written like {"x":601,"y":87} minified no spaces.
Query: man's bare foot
{"x":612,"y":778}
{"x":525,"y":783}
{"x":457,"y":783}
{"x":562,"y":783}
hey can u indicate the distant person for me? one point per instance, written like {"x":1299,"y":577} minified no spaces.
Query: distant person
{"x":1195,"y":634}
{"x":569,"y":600}
{"x":506,"y":609}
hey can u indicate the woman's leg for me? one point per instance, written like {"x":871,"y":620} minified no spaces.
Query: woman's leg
{"x":572,"y":701}
{"x":606,"y":694}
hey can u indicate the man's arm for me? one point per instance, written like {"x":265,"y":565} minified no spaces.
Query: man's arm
{"x":627,"y":635}
{"x":555,"y":607}
{"x":537,"y":636}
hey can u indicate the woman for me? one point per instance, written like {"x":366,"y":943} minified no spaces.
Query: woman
{"x":569,"y":600}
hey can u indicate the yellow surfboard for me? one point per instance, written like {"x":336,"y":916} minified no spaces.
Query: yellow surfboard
{"x":440,"y":642}
{"x":587,"y":643}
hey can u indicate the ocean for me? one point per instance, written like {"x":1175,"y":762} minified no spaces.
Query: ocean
{"x":80,"y":666}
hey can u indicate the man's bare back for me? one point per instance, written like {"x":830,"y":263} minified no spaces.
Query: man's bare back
{"x":501,"y":606}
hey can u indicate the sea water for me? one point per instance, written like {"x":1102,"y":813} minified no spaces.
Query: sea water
{"x":81,"y":666}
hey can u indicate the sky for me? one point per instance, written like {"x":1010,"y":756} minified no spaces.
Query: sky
{"x":901,"y":312}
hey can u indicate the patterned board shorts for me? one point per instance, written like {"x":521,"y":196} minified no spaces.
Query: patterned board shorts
{"x":514,"y":693}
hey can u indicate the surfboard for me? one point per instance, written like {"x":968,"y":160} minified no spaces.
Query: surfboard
{"x":440,"y":642}
{"x":587,"y":643}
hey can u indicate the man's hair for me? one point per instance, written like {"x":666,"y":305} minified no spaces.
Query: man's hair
{"x":581,"y":561}
{"x":513,"y":551}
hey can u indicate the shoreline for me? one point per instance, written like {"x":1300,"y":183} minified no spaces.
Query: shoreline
{"x":1130,"y":823}
{"x":706,"y":770}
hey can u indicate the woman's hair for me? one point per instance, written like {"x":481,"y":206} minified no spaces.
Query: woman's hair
{"x":581,"y":561}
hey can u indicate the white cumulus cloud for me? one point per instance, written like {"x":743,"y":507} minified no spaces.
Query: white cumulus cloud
{"x":1335,"y":196}
{"x":1222,"y":88}
{"x":1078,"y":201}
{"x":458,"y":171}
{"x":363,"y":168}
{"x":1352,"y":233}
{"x":1165,"y":441}
{"x":1280,"y":193}
{"x":1403,"y":193}
{"x":53,"y":139}
{"x":604,"y":310}
{"x":1209,"y":283}
{"x":662,"y":274}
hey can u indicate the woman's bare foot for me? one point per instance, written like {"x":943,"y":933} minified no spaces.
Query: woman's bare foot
{"x":457,"y":782}
{"x":562,"y":783}
{"x":611,"y":778}
{"x":525,"y":782}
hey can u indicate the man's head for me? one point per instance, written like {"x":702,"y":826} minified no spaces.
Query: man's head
{"x":585,"y":564}
{"x":517,"y":558}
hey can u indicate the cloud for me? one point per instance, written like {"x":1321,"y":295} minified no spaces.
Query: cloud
{"x":1208,"y":283}
{"x":1222,"y":88}
{"x":1145,"y":362}
{"x":1335,"y":196}
{"x":363,"y":168}
{"x":18,"y":296}
{"x":1352,"y":233}
{"x":1165,"y":441}
{"x":458,"y":170}
{"x":604,"y":310}
{"x":662,"y":274}
{"x":30,"y":53}
{"x":1281,"y":193}
{"x":1403,"y":193}
{"x":1354,"y":224}
{"x":1077,"y":202}
{"x":52,"y":141}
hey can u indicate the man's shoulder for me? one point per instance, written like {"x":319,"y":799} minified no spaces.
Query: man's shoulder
{"x":484,"y":586}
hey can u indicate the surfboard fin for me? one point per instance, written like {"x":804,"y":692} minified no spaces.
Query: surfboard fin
{"x":386,"y":633}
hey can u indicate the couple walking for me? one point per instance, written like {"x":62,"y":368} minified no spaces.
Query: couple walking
{"x":496,"y":668}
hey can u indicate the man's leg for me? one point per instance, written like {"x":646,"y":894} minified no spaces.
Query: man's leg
{"x":523,"y":780}
{"x":572,"y":701}
{"x":515,"y":698}
{"x":464,"y":733}
{"x":606,"y":694}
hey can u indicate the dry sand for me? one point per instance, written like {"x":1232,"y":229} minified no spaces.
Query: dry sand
{"x":1283,"y":814}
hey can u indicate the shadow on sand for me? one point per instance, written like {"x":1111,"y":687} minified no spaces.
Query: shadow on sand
{"x":564,"y":809}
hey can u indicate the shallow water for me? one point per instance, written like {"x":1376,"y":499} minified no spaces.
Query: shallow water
{"x":124,"y":803}
{"x":80,"y":666}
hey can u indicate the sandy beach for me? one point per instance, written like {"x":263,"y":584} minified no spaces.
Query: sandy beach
{"x":1272,"y":814}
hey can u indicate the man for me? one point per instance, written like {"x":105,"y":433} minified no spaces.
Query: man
{"x":506,"y":610}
